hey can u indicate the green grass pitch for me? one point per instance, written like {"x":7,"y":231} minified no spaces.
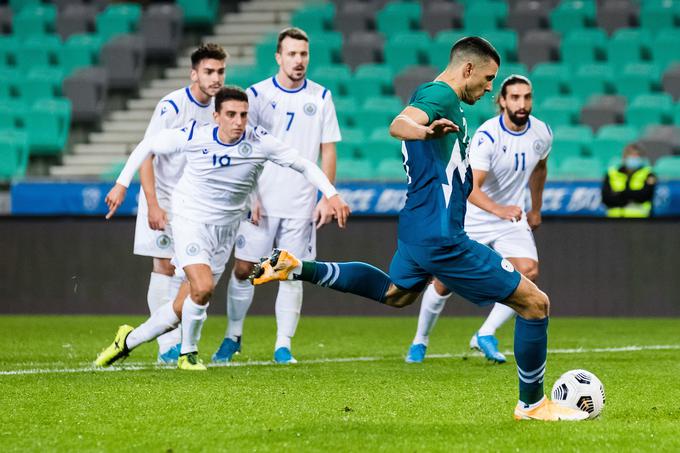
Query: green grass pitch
{"x":50,"y":400}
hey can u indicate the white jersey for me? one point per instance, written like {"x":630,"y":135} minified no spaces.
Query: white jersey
{"x":174,"y":110}
{"x":219,"y":177}
{"x":509,"y":158}
{"x":303,"y":118}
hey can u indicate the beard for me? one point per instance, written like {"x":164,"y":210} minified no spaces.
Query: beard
{"x":519,"y":120}
{"x":292,"y":75}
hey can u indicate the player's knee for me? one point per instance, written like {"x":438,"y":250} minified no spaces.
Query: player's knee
{"x":201,"y":292}
{"x":400,"y":300}
{"x":242,"y":269}
{"x":538,"y":306}
{"x":440,"y":288}
{"x":163,"y":266}
{"x":529,"y":270}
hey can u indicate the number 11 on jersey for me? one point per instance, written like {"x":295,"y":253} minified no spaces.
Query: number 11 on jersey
{"x":517,"y":161}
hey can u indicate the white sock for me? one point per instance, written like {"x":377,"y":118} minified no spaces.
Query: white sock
{"x":193,"y":317}
{"x":288,"y":306}
{"x":162,"y":320}
{"x":430,"y":308}
{"x":239,"y":297}
{"x":499,"y":314}
{"x":170,"y":339}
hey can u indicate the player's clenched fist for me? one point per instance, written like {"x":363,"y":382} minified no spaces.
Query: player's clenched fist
{"x":440,"y":128}
{"x":115,"y":198}
{"x":340,"y":209}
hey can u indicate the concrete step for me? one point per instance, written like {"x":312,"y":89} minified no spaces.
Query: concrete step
{"x":125,"y":126}
{"x":170,"y":84}
{"x":271,"y":5}
{"x":253,"y":17}
{"x":234,"y":29}
{"x":154,"y":93}
{"x":101,"y":148}
{"x":142,"y":104}
{"x":183,"y":71}
{"x":132,"y":115}
{"x":122,"y":138}
{"x":79,"y":171}
{"x":105,"y":160}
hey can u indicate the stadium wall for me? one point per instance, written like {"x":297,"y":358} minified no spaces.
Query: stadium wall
{"x":590,"y":267}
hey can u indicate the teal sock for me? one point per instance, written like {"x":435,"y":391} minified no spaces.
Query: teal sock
{"x":356,"y":278}
{"x":531,"y":348}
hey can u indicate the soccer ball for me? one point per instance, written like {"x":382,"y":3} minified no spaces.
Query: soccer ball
{"x":580,"y":389}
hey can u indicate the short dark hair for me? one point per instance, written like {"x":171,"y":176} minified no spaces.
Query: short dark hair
{"x":291,"y":32}
{"x":474,"y":45}
{"x":229,"y":93}
{"x":207,"y":51}
{"x":513,"y":79}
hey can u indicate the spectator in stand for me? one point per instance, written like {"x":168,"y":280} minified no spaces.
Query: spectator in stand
{"x":628,"y":190}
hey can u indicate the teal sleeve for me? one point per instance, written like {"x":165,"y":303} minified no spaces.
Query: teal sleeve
{"x":432,"y":100}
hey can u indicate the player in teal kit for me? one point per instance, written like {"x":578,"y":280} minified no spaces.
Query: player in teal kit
{"x":431,"y":239}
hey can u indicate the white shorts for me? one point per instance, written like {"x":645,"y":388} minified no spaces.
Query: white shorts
{"x":514,"y":241}
{"x":148,"y":242}
{"x":199,"y":243}
{"x":295,"y":235}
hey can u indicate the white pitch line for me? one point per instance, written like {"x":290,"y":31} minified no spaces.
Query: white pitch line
{"x":139,"y":366}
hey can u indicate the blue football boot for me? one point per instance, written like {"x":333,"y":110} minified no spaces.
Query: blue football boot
{"x":170,"y":356}
{"x":416,"y":353}
{"x":283,"y":356}
{"x":488,"y":344}
{"x":227,"y":350}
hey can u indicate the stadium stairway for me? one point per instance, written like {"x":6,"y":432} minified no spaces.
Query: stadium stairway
{"x":237,"y":32}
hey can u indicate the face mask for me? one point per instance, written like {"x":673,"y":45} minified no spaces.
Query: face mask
{"x":633,"y":162}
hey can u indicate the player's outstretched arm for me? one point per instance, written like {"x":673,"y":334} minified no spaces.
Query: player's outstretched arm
{"x":318,"y":179}
{"x":414,"y":124}
{"x":481,"y":200}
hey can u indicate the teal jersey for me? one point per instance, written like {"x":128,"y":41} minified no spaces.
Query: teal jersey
{"x":438,"y":173}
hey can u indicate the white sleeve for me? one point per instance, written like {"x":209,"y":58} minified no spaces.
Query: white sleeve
{"x":314,"y":175}
{"x":481,"y":149}
{"x":331,"y":130}
{"x":164,"y":117}
{"x":548,"y":143}
{"x":165,"y":142}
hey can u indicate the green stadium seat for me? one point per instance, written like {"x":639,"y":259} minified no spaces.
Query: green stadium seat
{"x":485,"y":15}
{"x":478,"y":113}
{"x":47,"y":126}
{"x":637,"y":78}
{"x":326,"y":48}
{"x":34,"y":20}
{"x":438,"y":51}
{"x":12,"y":114}
{"x":336,"y":78}
{"x":629,"y":45}
{"x":659,"y":14}
{"x":9,"y":45}
{"x":353,"y":140}
{"x":13,"y":154}
{"x":559,"y":110}
{"x":648,"y":109}
{"x":264,"y":51}
{"x":314,"y":18}
{"x":243,"y":76}
{"x":579,"y":168}
{"x":345,"y":108}
{"x":354,"y":169}
{"x":610,"y":140}
{"x":572,"y":15}
{"x":10,"y":83}
{"x":117,"y":19}
{"x":41,"y":83}
{"x":377,"y":149}
{"x":583,"y":46}
{"x":667,"y":167}
{"x":665,"y":48}
{"x":390,"y":170}
{"x":505,"y":41}
{"x":80,"y":51}
{"x":371,"y":80}
{"x":113,"y":171}
{"x":398,"y":17}
{"x":377,"y":112}
{"x":676,"y":114}
{"x":199,"y":12}
{"x":38,"y":51}
{"x":506,"y":70}
{"x":592,"y":79}
{"x":406,"y":49}
{"x":18,"y":5}
{"x":572,"y":141}
{"x":550,"y":79}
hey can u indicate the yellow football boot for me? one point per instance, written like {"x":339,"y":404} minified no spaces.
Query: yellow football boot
{"x":548,"y":410}
{"x":117,"y":349}
{"x":277,"y":266}
{"x":190,"y":362}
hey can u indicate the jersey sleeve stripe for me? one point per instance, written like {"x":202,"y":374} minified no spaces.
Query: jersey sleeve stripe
{"x":191,"y":132}
{"x":488,"y":135}
{"x":174,"y":106}
{"x":254,"y":91}
{"x":323,"y":95}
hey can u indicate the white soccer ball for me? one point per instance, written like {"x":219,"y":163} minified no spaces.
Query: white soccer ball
{"x":580,"y":389}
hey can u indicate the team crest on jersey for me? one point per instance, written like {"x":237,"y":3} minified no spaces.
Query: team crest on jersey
{"x":240,"y":241}
{"x":193,"y":249}
{"x":244,"y":149}
{"x":309,"y":109}
{"x":539,"y":146}
{"x":507,"y":265}
{"x":163,"y":241}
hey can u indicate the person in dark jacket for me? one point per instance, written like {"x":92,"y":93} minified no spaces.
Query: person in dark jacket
{"x":628,"y":190}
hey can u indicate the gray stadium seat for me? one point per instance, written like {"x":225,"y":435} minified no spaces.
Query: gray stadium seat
{"x":406,"y":82}
{"x":5,"y":20}
{"x":75,"y":19}
{"x":602,"y":110}
{"x":615,"y":14}
{"x":123,"y":58}
{"x":87,"y":89}
{"x":537,"y":46}
{"x":661,"y":141}
{"x":354,"y":16}
{"x":671,"y":81}
{"x":362,"y":47}
{"x":441,"y":15}
{"x":63,"y":4}
{"x":161,"y":28}
{"x":529,"y":15}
